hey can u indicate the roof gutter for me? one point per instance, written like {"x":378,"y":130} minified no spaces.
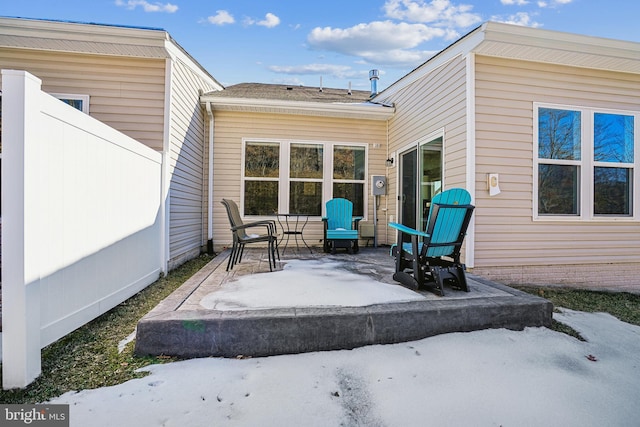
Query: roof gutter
{"x":369,"y":111}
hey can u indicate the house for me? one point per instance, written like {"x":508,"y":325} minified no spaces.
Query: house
{"x":540,"y":126}
{"x":139,"y":81}
{"x":102,"y":196}
{"x":294,"y":147}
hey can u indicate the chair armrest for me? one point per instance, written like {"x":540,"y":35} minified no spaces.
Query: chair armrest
{"x":261,"y":222}
{"x":356,"y":220}
{"x":270,"y":225}
{"x":408,"y":230}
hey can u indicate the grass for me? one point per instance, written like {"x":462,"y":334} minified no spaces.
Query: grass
{"x":89,"y":358}
{"x":625,"y":306}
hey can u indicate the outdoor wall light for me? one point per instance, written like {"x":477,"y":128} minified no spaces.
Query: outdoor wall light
{"x":389,"y":162}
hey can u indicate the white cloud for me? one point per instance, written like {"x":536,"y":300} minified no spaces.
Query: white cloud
{"x":221,"y":17}
{"x":514,"y":2}
{"x":437,"y":12}
{"x":270,"y":20}
{"x":148,"y":7}
{"x":520,"y":18}
{"x":553,"y":3}
{"x":339,"y":71}
{"x":378,"y":42}
{"x":377,"y":35}
{"x":396,"y":43}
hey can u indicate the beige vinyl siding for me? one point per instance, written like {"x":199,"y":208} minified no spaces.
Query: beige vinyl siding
{"x":186,"y":164}
{"x":125,"y":93}
{"x":505,"y":233}
{"x":434,"y":102}
{"x":230,"y":129}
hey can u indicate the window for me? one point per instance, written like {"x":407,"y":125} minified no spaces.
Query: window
{"x":585,"y":163}
{"x":79,"y":102}
{"x":299,"y":176}
{"x":305,"y":178}
{"x":349,"y":175}
{"x":261,"y":172}
{"x":613,"y":163}
{"x":559,"y":156}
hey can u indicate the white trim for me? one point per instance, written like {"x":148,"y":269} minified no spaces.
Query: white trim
{"x":210,"y":177}
{"x":366,"y":110}
{"x":166,"y":173}
{"x":178,"y":54}
{"x":74,"y":97}
{"x":283,"y":173}
{"x":469,"y":255}
{"x":415,"y":145}
{"x":531,"y":44}
{"x":586,"y":166}
{"x":461,"y":47}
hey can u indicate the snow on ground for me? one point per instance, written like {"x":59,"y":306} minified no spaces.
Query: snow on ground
{"x":534,"y":377}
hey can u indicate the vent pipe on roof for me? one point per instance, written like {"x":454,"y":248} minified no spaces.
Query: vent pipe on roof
{"x":320,"y":84}
{"x":349,"y":91}
{"x":374,"y":76}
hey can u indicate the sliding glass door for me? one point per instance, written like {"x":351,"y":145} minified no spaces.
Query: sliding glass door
{"x":421,"y":173}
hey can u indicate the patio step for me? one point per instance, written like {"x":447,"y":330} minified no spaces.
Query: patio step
{"x":171,"y":329}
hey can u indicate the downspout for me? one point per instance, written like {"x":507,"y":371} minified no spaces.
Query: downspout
{"x":166,"y":176}
{"x":386,"y":199}
{"x":471,"y":155}
{"x":210,"y":184}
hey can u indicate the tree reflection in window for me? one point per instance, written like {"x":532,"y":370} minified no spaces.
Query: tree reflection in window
{"x":558,"y":140}
{"x":349,"y":175}
{"x":261,"y":171}
{"x":306,"y":173}
{"x":613,"y":145}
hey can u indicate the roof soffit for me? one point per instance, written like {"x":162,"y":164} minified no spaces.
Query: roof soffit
{"x":82,"y":38}
{"x":366,"y":111}
{"x":531,"y":44}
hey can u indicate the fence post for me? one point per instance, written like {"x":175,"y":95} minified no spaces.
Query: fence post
{"x":20,"y":275}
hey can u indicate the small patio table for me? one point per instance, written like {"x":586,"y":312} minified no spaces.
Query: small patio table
{"x":293,"y":225}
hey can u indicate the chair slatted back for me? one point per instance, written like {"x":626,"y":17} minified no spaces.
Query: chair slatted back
{"x":447,"y":218}
{"x":234,"y":217}
{"x":339,"y":214}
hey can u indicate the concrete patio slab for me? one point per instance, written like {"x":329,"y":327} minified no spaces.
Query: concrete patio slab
{"x":244,"y":323}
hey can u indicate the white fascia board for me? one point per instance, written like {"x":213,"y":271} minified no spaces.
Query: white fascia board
{"x":367,"y":111}
{"x":461,"y":47}
{"x":175,"y":51}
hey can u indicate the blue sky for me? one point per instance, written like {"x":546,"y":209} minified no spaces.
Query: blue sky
{"x":298,"y":41}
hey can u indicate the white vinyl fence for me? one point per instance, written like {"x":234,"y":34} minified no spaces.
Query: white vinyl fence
{"x":81,"y":221}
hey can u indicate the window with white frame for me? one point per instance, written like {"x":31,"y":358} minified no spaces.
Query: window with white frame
{"x":297,"y":177}
{"x":79,"y":102}
{"x":585,"y":163}
{"x":349,"y":175}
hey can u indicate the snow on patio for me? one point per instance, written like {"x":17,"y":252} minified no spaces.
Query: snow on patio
{"x":306,"y":283}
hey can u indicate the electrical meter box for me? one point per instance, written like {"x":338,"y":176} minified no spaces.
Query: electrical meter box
{"x":378,"y":185}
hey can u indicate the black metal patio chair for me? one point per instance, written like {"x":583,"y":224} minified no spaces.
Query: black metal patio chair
{"x":243,"y":236}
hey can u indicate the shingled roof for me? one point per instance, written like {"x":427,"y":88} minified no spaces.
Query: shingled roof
{"x":291,"y":93}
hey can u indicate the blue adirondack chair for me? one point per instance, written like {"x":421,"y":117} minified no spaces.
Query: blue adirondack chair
{"x":428,"y":259}
{"x":340,"y":226}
